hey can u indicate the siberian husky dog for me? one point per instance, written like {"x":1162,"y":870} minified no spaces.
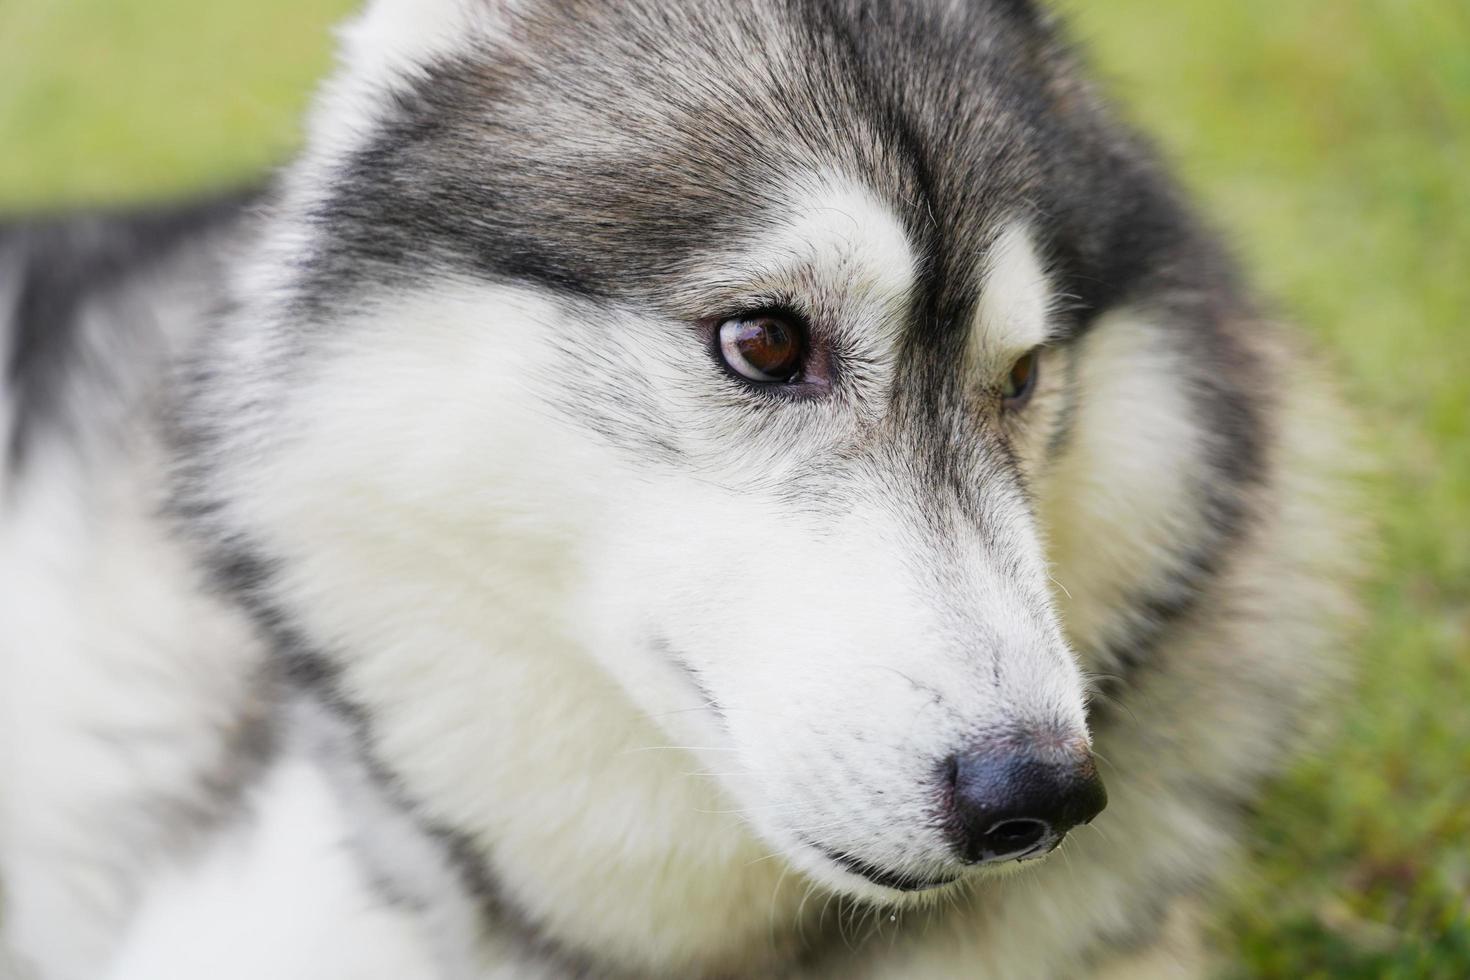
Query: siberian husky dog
{"x":656,"y":489}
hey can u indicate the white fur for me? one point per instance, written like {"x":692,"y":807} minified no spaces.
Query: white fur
{"x":435,"y":508}
{"x":1015,"y":301}
{"x":640,"y":684}
{"x":435,"y":519}
{"x":280,"y":891}
{"x":386,"y":47}
{"x":119,"y":689}
{"x":1122,"y":501}
{"x":834,"y":237}
{"x":123,"y":685}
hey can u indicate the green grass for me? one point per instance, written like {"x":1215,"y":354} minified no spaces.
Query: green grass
{"x":109,"y":99}
{"x":1330,"y":138}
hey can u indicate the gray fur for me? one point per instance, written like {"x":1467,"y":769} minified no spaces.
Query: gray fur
{"x":603,"y":156}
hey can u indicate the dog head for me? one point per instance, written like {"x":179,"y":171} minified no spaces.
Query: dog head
{"x":716,"y":352}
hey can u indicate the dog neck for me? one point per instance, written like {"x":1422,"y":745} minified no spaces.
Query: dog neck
{"x":565,"y":832}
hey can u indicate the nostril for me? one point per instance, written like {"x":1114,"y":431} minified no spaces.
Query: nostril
{"x":951,"y":772}
{"x":1015,"y":836}
{"x":1007,"y":801}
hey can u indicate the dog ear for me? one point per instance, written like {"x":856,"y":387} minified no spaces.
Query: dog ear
{"x":404,"y":35}
{"x":1033,"y":14}
{"x":389,"y":46}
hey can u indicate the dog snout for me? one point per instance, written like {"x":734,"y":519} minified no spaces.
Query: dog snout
{"x":1011,"y":802}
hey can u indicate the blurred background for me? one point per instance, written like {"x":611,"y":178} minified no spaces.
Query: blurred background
{"x":1329,"y":138}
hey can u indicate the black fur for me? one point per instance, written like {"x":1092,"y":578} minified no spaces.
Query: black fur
{"x":54,"y":266}
{"x":611,"y":182}
{"x":583,"y":169}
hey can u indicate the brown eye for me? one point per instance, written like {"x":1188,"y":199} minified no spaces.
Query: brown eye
{"x":765,"y":348}
{"x":1021,"y":381}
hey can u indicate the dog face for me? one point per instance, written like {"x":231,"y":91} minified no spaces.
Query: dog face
{"x":704,"y":356}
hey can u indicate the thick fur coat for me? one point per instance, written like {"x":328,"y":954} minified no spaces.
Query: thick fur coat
{"x":394,"y":581}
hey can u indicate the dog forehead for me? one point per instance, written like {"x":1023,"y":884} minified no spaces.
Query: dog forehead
{"x":617,"y":149}
{"x":831,"y":244}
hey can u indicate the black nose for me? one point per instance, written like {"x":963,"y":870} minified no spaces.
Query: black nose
{"x":1012,"y":802}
